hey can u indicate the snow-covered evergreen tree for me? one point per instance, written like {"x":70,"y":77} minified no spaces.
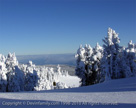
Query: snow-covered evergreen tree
{"x":59,"y":69}
{"x":93,"y":64}
{"x":96,"y":65}
{"x":131,"y":57}
{"x":15,"y":80}
{"x":124,"y":67}
{"x":49,"y":79}
{"x":30,"y":77}
{"x":42,"y":79}
{"x":90,"y":70}
{"x":111,"y":53}
{"x":88,"y":80}
{"x":65,"y":73}
{"x":15,"y":77}
{"x":3,"y":72}
{"x":11,"y":61}
{"x":80,"y":64}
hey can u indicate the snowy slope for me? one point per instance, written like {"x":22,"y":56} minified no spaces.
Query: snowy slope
{"x":70,"y":81}
{"x":119,"y":93}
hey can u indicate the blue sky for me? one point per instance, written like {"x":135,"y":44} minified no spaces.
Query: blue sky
{"x":60,"y":26}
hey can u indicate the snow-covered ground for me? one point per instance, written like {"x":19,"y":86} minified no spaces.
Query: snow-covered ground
{"x":119,"y":93}
{"x":70,"y":81}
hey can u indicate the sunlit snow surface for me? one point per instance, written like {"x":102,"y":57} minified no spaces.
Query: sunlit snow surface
{"x":119,"y":93}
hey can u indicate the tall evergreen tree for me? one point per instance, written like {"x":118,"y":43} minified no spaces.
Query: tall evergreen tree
{"x":124,"y":67}
{"x":8,"y":74}
{"x":3,"y":72}
{"x":131,"y":57}
{"x":97,"y":60}
{"x":111,"y":51}
{"x":31,"y":77}
{"x":89,"y":71}
{"x":88,"y":80}
{"x":15,"y":77}
{"x":80,"y":64}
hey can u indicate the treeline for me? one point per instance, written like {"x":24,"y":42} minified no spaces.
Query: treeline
{"x":112,"y":61}
{"x":16,"y":77}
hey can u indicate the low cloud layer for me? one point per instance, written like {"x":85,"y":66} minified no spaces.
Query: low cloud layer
{"x":54,"y":59}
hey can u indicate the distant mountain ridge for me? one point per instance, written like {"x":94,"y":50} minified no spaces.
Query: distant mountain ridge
{"x":53,"y":59}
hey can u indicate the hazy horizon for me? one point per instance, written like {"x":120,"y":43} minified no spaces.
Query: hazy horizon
{"x":48,"y":59}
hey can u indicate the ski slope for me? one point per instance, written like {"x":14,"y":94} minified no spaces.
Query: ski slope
{"x":120,"y":93}
{"x":70,"y":81}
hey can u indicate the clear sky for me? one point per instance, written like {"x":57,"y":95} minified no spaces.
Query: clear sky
{"x":60,"y":26}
